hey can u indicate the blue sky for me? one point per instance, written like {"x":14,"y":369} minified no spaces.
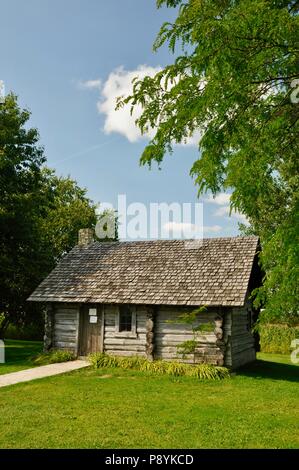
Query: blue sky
{"x":65,"y":59}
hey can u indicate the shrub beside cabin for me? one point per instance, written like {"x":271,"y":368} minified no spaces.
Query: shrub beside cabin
{"x":125,"y":298}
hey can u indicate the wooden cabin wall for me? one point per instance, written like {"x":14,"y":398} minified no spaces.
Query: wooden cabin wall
{"x":158,"y":335}
{"x":242,"y":340}
{"x":66,"y":326}
{"x":169,"y":335}
{"x":119,"y":343}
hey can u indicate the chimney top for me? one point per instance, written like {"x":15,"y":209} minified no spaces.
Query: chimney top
{"x":85,"y":236}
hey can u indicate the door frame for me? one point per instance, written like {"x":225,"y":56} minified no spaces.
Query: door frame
{"x":83,"y":312}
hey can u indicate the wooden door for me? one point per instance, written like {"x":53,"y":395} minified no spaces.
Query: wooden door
{"x":91,"y":329}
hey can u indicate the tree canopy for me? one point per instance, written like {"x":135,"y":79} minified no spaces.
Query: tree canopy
{"x":40,"y":214}
{"x":234,"y":80}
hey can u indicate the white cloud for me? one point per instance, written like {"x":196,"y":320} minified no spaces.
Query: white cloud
{"x":221,"y":199}
{"x":119,"y":83}
{"x":91,"y":84}
{"x":224,"y":211}
{"x":241,"y":217}
{"x":179,"y":226}
{"x":212,"y":228}
{"x":189,"y":229}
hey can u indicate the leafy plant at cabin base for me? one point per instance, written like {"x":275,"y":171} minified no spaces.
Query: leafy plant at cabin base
{"x":277,"y":338}
{"x":177,"y":369}
{"x":188,"y":347}
{"x":55,"y":356}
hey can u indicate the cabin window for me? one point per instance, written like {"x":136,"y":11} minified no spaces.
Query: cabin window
{"x":126,"y":320}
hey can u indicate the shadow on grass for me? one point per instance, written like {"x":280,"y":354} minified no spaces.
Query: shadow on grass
{"x":270,"y":370}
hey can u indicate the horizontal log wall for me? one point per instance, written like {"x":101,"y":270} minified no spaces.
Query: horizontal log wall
{"x":158,"y":337}
{"x":117,"y":344}
{"x":242,"y":343}
{"x":66,"y":327}
{"x":168,"y":335}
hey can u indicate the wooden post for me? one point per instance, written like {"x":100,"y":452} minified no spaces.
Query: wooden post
{"x":49,"y":327}
{"x":149,"y":325}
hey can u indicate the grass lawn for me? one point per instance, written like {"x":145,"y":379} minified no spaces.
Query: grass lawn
{"x":257,"y":408}
{"x":18,"y":355}
{"x":281,"y":358}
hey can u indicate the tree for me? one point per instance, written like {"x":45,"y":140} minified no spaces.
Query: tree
{"x":20,"y":163}
{"x":66,"y":209}
{"x":40,"y":215}
{"x":235,"y":81}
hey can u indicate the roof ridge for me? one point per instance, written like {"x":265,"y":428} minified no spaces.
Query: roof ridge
{"x":173,"y":240}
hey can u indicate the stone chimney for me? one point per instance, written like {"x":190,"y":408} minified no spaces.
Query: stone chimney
{"x":85,"y":236}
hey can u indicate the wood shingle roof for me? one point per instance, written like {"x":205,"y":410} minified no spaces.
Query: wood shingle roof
{"x":164,"y":272}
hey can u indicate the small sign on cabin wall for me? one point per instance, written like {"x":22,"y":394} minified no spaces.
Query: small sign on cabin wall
{"x":93,"y":315}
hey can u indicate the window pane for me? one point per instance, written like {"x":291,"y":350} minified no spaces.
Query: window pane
{"x":125,"y":318}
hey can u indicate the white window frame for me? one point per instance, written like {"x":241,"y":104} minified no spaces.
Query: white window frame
{"x":126,"y":334}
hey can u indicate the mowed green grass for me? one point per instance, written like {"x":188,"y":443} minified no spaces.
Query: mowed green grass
{"x":257,"y":408}
{"x":19,"y":355}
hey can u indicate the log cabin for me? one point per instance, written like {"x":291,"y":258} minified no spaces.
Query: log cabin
{"x":127,"y":298}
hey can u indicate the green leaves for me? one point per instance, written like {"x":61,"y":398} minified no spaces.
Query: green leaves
{"x":197,"y":327}
{"x":40,"y":214}
{"x":187,"y":347}
{"x":232,"y":80}
{"x":53,"y":357}
{"x":277,"y":338}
